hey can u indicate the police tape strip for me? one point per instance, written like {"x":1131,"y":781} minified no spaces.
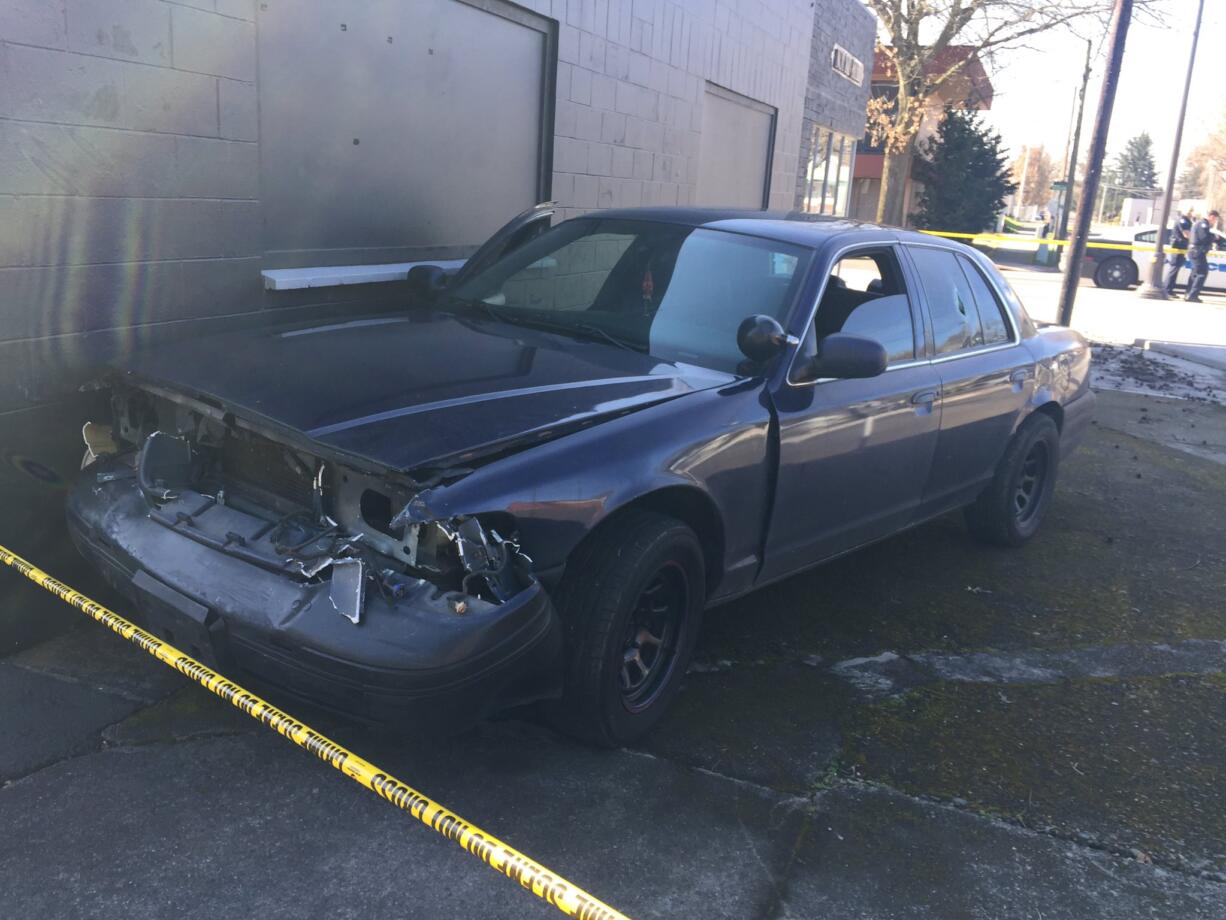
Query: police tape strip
{"x":551,"y":887}
{"x":1036,"y":241}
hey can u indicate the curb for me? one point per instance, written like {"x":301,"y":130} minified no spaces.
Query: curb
{"x":1213,"y":356}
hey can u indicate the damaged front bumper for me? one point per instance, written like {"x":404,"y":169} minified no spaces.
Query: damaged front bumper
{"x":421,"y":658}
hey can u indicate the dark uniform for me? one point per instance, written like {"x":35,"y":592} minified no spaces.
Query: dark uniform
{"x":1179,"y":246}
{"x":1198,"y":256}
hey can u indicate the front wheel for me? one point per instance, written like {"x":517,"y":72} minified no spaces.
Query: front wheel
{"x":1116,"y":272}
{"x":631,"y":601}
{"x":1009,"y":511}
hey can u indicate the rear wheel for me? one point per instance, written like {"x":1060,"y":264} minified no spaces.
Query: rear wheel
{"x":631,"y":601}
{"x":1116,"y":272}
{"x":1009,"y":511}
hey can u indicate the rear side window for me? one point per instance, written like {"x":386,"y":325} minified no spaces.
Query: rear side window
{"x":955,"y":321}
{"x":991,"y":312}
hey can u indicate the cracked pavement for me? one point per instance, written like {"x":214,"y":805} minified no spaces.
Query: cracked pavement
{"x":926,"y":728}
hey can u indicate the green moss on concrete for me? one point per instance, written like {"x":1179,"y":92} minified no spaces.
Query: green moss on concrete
{"x":1132,"y":763}
{"x":773,"y":725}
{"x":192,"y":712}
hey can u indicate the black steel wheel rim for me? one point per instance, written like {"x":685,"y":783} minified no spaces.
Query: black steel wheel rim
{"x":1028,"y":496}
{"x":649,"y":647}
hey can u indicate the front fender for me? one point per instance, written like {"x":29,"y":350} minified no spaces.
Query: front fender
{"x":557,"y":492}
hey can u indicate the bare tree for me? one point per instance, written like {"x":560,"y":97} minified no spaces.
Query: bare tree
{"x":1199,"y":176}
{"x":1040,"y":170}
{"x":927,"y":45}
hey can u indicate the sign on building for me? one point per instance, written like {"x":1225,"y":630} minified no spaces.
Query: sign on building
{"x":847,"y":65}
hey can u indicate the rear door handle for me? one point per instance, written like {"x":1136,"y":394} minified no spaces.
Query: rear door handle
{"x":926,"y":397}
{"x":1021,"y":374}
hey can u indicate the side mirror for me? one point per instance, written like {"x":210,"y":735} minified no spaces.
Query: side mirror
{"x":760,"y":338}
{"x":845,"y":357}
{"x":426,"y":281}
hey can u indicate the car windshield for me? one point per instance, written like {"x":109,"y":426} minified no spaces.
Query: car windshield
{"x":675,"y":292}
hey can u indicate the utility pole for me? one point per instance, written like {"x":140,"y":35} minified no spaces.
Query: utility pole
{"x":1021,"y":187}
{"x":1121,"y":16}
{"x":1152,"y":288}
{"x":1071,"y":178}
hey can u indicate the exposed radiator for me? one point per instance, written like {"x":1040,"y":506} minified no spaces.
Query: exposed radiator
{"x":257,"y":467}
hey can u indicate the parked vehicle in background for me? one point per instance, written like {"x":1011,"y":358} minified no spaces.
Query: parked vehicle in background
{"x":528,"y":485}
{"x":1122,"y":268}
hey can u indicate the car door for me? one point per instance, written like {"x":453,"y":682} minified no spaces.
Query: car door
{"x":1140,"y":258}
{"x":986,"y":374}
{"x":1216,"y":279}
{"x":854,"y":454}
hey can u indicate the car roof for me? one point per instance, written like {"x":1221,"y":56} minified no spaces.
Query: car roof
{"x":798,"y":227}
{"x":1124,"y":233}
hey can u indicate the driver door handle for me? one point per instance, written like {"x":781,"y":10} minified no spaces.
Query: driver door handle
{"x":925,"y":397}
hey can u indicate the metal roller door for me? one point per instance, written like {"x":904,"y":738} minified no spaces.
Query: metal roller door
{"x":389,"y":126}
{"x":738,"y":136}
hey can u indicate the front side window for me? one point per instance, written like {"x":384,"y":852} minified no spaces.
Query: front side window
{"x":866,"y":296}
{"x":955,"y":320}
{"x":672,"y":291}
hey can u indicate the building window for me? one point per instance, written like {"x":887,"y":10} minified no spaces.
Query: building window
{"x":828,"y":172}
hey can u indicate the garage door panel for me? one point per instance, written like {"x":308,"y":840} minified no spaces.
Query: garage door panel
{"x":415,"y":125}
{"x":735,"y":151}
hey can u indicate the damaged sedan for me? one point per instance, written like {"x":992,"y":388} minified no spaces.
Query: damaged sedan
{"x":527,"y":484}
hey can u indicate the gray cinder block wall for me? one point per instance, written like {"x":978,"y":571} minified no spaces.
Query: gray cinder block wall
{"x":128,"y":208}
{"x":631,"y":81}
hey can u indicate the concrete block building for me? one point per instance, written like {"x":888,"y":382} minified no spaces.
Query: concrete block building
{"x":166,"y":165}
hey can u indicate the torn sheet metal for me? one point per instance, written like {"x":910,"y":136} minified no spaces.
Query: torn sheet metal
{"x":99,"y":442}
{"x":164,"y":466}
{"x":348,"y":592}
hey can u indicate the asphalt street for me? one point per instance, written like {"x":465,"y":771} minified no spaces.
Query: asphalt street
{"x":1120,"y":316}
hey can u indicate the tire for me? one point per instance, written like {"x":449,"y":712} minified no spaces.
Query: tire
{"x":638,"y":561}
{"x":1011,"y":508}
{"x":1117,"y":272}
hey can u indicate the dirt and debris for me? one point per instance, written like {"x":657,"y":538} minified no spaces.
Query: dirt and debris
{"x":1131,"y":369}
{"x":1160,"y":398}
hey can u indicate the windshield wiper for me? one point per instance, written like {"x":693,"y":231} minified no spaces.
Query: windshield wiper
{"x":610,"y":337}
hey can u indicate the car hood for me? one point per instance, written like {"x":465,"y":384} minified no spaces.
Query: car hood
{"x":418,"y":391}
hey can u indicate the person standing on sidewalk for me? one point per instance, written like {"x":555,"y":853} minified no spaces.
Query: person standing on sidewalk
{"x":1203,"y":232}
{"x":1180,"y":231}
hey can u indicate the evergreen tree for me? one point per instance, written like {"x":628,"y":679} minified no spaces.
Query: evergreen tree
{"x":965,"y":174}
{"x":1135,"y":166}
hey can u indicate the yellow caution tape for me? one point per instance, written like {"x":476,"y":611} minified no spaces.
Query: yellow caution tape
{"x":551,"y":887}
{"x":1037,"y":240}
